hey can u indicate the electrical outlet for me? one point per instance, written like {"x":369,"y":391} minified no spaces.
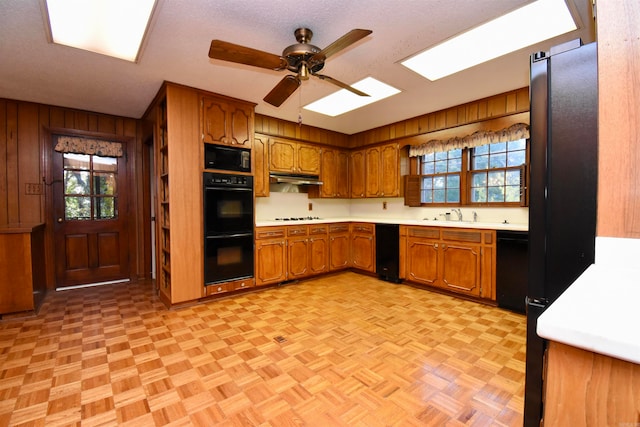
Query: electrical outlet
{"x":33,"y":189}
{"x":310,"y":206}
{"x":384,"y":205}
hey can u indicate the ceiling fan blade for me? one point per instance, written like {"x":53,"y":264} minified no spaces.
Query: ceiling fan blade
{"x":343,"y":42}
{"x":283,"y":90}
{"x":226,"y":51}
{"x":340,"y":84}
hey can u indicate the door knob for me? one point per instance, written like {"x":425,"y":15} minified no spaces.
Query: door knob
{"x":59,"y":219}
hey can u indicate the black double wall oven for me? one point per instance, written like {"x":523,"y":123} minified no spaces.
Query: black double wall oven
{"x":228,"y":227}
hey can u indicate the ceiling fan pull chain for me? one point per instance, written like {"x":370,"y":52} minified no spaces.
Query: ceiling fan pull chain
{"x":300,"y":106}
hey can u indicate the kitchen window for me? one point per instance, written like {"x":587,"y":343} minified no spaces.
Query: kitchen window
{"x":486,"y":175}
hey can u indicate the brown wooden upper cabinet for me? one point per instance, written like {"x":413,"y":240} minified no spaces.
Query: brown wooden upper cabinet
{"x":226,"y":122}
{"x":334,"y":175}
{"x":293,"y":157}
{"x":376,"y":172}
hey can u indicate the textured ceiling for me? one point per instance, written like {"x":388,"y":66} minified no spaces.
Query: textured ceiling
{"x":31,"y":69}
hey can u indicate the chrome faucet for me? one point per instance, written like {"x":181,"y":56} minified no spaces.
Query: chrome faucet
{"x":458,"y":212}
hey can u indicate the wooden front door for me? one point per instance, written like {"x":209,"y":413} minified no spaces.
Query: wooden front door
{"x":90,"y":222}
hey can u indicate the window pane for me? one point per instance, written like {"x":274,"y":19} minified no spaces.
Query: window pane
{"x":498,"y":161}
{"x":515,"y":158}
{"x":513,"y":177}
{"x":441,"y":166}
{"x":479,"y":195}
{"x":496,"y":178}
{"x":426,"y":197}
{"x":496,"y":194}
{"x":438,"y":196}
{"x":519,"y":144}
{"x":453,"y":181}
{"x":76,"y":161}
{"x":512,"y":193}
{"x":76,"y":182}
{"x":455,"y":165}
{"x":441,"y":155}
{"x":428,"y":168}
{"x":439,"y":182}
{"x":105,"y":163}
{"x":77,"y":208}
{"x":498,"y":147}
{"x":453,"y":195}
{"x":483,"y":149}
{"x":479,"y":179}
{"x":104,"y":183}
{"x":104,"y":208}
{"x":481,"y":162}
{"x":428,"y":157}
{"x":427,"y":183}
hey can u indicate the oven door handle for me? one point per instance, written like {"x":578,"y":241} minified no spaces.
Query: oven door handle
{"x":224,"y":236}
{"x":227,"y":188}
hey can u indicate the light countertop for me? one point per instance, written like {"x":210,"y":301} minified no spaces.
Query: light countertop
{"x":599,"y":312}
{"x":401,"y":221}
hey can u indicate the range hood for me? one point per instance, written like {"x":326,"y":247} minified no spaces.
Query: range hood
{"x":294,"y":179}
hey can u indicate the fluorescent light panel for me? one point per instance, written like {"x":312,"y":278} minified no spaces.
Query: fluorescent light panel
{"x":109,"y":27}
{"x":528,"y":25}
{"x":342,"y":101}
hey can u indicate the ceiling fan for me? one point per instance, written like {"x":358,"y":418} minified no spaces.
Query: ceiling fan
{"x":302,"y":58}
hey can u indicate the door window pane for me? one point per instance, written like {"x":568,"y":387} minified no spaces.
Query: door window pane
{"x":90,"y":190}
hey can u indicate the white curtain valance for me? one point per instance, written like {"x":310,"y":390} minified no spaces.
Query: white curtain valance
{"x":476,"y":139}
{"x":98,"y":147}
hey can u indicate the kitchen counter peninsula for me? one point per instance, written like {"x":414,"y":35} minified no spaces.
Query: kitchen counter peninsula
{"x":400,"y":221}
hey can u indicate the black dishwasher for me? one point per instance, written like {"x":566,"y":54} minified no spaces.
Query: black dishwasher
{"x":512,"y":266}
{"x":388,"y":252}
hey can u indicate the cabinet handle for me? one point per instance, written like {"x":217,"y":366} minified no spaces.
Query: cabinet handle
{"x":435,"y":245}
{"x":219,"y":288}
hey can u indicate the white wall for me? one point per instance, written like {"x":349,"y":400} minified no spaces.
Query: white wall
{"x":296,"y":205}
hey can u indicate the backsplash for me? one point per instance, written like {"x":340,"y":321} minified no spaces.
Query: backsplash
{"x":280,"y":205}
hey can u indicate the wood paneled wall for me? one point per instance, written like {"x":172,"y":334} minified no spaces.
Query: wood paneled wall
{"x":497,"y":106}
{"x":24,"y":167}
{"x":619,"y":118}
{"x":277,"y":127}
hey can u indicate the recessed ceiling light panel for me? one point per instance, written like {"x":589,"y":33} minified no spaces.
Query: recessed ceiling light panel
{"x":109,"y":27}
{"x":526,"y":26}
{"x":343,"y":101}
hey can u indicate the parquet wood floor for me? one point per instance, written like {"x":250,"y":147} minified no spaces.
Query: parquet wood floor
{"x":340,"y":350}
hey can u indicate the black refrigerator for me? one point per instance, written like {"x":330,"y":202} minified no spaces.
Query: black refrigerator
{"x":562,"y":192}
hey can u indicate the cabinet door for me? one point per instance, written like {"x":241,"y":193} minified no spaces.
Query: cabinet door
{"x":241,"y":125}
{"x":363,"y":252}
{"x":461,"y":268}
{"x":389,"y":178}
{"x":373,"y":174}
{"x":318,"y":254}
{"x":270,"y":261}
{"x":214,"y":123}
{"x":342,"y":174}
{"x":298,"y":257}
{"x":308,"y":159}
{"x":338,"y":251}
{"x":357,"y":174}
{"x":282,"y":156}
{"x":261,"y":166}
{"x":329,"y":173}
{"x":422,"y":260}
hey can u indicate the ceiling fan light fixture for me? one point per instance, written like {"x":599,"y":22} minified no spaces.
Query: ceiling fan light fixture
{"x":526,"y":26}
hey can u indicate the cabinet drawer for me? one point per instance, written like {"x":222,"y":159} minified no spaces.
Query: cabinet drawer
{"x":318,"y":229}
{"x":462,"y":235}
{"x":240,"y":284}
{"x":426,"y":232}
{"x":363,"y":228}
{"x":216,"y":289}
{"x":269,"y":232}
{"x":298,"y":230}
{"x":338,"y":228}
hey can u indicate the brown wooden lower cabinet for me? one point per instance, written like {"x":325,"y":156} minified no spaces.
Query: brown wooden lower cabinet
{"x":22,"y":269}
{"x":455,"y":259}
{"x":270,"y":255}
{"x":583,"y":388}
{"x":363,"y":246}
{"x":339,"y":241}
